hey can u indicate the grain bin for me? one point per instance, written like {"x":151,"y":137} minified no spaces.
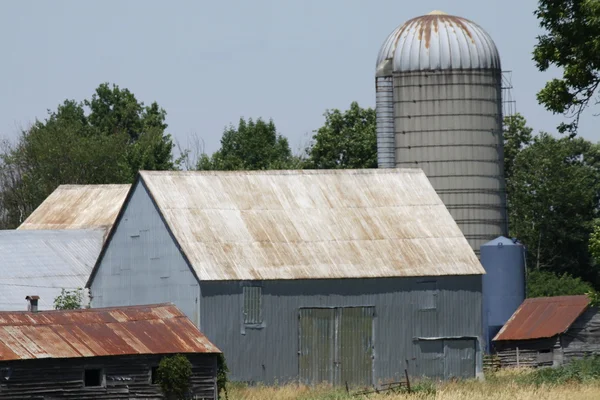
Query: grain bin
{"x":439,"y":108}
{"x":503,"y":283}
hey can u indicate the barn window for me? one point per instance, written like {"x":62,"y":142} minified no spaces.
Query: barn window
{"x":92,"y":377}
{"x":252,"y":305}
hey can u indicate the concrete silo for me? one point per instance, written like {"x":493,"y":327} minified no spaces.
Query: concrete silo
{"x":439,"y":108}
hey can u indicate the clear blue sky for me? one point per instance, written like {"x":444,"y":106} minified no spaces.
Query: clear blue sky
{"x":210,"y":62}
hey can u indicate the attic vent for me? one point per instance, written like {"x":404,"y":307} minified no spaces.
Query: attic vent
{"x":252,"y":305}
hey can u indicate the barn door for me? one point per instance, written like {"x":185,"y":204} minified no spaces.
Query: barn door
{"x":336,"y":345}
{"x":459,"y":355}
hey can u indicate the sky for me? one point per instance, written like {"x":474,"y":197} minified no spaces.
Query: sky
{"x":208,"y":63}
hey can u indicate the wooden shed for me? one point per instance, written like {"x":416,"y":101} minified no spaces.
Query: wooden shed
{"x":549,"y":331}
{"x":108,"y":353}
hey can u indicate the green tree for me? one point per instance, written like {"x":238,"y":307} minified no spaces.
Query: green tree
{"x":546,"y":284}
{"x":571,"y":42}
{"x":346,"y":140}
{"x":69,"y":300}
{"x":106,"y":139}
{"x":517,"y":135}
{"x":553,"y":199}
{"x":250,"y":146}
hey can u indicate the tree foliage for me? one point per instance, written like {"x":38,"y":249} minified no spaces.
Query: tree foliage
{"x":105,"y":139}
{"x":347,"y":140}
{"x":69,"y":300}
{"x":546,"y":283}
{"x":571,"y":42}
{"x":174,"y":374}
{"x":250,"y":146}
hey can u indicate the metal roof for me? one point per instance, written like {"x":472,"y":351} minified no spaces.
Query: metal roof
{"x":42,"y":262}
{"x":438,"y":41}
{"x":79,"y":207}
{"x":543,"y":317}
{"x":310,"y":224}
{"x":149,"y":329}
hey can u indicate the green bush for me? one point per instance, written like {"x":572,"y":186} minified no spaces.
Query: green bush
{"x":174,"y":375}
{"x":583,"y":370}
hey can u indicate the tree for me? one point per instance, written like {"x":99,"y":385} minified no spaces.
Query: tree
{"x":346,"y":140}
{"x":250,"y":146}
{"x":69,"y":300}
{"x":553,"y":199}
{"x":546,"y":284}
{"x":571,"y":42}
{"x":106,"y":139}
{"x":517,"y":135}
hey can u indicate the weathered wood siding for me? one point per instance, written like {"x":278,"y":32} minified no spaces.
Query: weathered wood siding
{"x":529,"y":353}
{"x":583,"y":337}
{"x":126,"y":377}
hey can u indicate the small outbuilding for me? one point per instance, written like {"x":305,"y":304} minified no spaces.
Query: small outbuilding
{"x":339,"y":276}
{"x":549,"y":331}
{"x":109,"y":353}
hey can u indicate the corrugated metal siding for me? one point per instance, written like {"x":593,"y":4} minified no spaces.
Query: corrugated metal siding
{"x":271,"y":354}
{"x":142,"y":264}
{"x":44,"y":262}
{"x":310,"y":224}
{"x":79,"y":207}
{"x":356,"y":346}
{"x":459,"y":357}
{"x":317,"y":345}
{"x":449,"y":124}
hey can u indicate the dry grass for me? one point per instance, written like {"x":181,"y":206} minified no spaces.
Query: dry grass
{"x":502,"y":386}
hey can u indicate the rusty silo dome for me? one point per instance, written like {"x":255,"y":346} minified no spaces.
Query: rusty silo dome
{"x":438,"y":41}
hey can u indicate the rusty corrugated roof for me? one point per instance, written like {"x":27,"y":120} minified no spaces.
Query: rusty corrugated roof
{"x":149,"y":329}
{"x":311,"y":224}
{"x":78,"y":207}
{"x":543,"y":317}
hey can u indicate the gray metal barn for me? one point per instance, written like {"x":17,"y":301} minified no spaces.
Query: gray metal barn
{"x":330,"y":275}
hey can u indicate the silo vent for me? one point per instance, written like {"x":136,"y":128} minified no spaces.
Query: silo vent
{"x":32,"y":303}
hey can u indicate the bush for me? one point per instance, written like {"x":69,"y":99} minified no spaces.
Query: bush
{"x":174,"y":375}
{"x":583,"y":370}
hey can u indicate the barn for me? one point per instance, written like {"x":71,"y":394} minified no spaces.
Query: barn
{"x":108,"y":354}
{"x":549,"y":331}
{"x":339,"y":276}
{"x":44,"y":262}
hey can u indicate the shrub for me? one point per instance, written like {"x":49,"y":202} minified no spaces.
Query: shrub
{"x":582,"y":370}
{"x":174,"y":375}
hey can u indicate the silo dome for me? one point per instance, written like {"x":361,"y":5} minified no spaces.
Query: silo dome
{"x":438,"y":41}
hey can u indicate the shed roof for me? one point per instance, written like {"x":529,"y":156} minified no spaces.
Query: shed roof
{"x":149,"y":329}
{"x":42,"y":262}
{"x":310,"y":224}
{"x":543,"y":317}
{"x":78,"y":207}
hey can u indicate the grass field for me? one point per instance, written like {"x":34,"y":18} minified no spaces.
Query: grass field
{"x":506,"y":385}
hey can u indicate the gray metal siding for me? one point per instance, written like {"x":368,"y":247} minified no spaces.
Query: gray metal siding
{"x":449,"y":124}
{"x":142,"y":264}
{"x":271,"y":354}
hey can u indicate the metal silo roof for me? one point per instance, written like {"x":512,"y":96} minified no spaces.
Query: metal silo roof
{"x":310,"y":224}
{"x":78,"y":207}
{"x":43,"y":262}
{"x":438,"y":41}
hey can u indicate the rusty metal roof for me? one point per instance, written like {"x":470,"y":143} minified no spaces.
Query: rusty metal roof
{"x":78,"y":207}
{"x":149,"y":329}
{"x":311,"y":224}
{"x":543,"y":317}
{"x":438,"y":41}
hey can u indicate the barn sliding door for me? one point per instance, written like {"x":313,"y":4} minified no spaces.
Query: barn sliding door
{"x":336,"y":345}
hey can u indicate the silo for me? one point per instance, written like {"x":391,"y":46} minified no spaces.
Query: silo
{"x":439,"y":108}
{"x":503,"y":283}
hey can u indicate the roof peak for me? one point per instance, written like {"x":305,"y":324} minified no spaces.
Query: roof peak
{"x":437,"y":12}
